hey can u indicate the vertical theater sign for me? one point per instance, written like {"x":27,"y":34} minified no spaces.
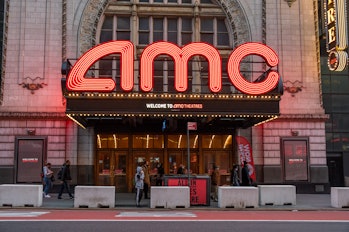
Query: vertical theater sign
{"x":336,"y":34}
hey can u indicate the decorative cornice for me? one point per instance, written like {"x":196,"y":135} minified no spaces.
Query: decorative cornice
{"x":33,"y":115}
{"x":316,"y":117}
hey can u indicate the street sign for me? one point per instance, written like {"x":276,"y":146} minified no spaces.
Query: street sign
{"x":192,"y":126}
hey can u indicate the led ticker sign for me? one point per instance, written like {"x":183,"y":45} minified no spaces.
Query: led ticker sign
{"x":76,"y":80}
{"x":336,"y":34}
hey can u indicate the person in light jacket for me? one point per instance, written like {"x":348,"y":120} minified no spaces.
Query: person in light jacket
{"x":139,"y":185}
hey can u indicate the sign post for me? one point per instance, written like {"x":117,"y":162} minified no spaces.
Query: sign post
{"x":190,"y":126}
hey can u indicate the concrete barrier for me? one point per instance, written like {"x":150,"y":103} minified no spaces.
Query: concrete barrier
{"x":169,"y":197}
{"x":340,"y":197}
{"x":237,"y":197}
{"x":94,"y":197}
{"x":277,"y":194}
{"x":22,"y":195}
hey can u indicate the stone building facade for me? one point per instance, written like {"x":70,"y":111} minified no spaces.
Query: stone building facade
{"x":39,"y":35}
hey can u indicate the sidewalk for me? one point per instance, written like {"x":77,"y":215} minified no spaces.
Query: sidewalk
{"x":127,"y":201}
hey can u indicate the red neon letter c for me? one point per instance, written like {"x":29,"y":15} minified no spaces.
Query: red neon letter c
{"x":239,"y":81}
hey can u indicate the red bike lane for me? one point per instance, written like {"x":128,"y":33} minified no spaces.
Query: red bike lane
{"x":170,"y":215}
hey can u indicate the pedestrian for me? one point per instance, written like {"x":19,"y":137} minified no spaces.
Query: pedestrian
{"x":160,"y":174}
{"x":216,"y":180}
{"x":65,"y":179}
{"x":180,"y":170}
{"x":245,"y":175}
{"x":146,"y":170}
{"x":48,"y":175}
{"x":234,"y":177}
{"x":139,"y":185}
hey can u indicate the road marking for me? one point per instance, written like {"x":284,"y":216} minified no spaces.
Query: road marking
{"x":21,"y":214}
{"x":155,"y":214}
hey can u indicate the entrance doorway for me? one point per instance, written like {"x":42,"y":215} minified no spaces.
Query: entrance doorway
{"x":118,"y":155}
{"x":154,"y":157}
{"x":112,"y":167}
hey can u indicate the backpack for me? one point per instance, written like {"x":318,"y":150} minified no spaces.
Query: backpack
{"x":59,"y":174}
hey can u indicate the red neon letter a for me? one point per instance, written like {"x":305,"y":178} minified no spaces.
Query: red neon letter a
{"x":76,"y":80}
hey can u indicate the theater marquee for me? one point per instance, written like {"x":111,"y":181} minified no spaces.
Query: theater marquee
{"x":96,"y":97}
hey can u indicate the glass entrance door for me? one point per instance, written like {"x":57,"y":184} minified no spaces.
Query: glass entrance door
{"x":112,"y":169}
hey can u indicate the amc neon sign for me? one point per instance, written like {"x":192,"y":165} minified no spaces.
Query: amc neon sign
{"x":76,"y":80}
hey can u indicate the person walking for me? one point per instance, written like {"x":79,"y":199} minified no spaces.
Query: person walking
{"x":160,"y":174}
{"x":48,"y":174}
{"x":146,"y":170}
{"x":65,"y":178}
{"x":216,"y":180}
{"x":245,"y":175}
{"x":180,"y":170}
{"x":234,"y":178}
{"x":139,"y":185}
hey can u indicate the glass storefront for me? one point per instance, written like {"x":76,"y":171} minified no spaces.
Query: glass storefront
{"x":119,"y":154}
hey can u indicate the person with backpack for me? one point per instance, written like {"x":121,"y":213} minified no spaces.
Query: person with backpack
{"x":65,"y":177}
{"x":139,"y":185}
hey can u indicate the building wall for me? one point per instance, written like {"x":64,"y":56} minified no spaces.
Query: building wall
{"x":42,"y":33}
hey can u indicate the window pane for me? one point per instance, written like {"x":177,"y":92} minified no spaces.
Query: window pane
{"x":208,"y":38}
{"x":172,"y":1}
{"x":144,"y":24}
{"x":187,"y":25}
{"x":106,"y":32}
{"x":123,"y":23}
{"x":123,"y":36}
{"x":108,"y":23}
{"x":172,"y":30}
{"x":158,"y":29}
{"x":186,"y":38}
{"x":105,"y":36}
{"x":143,"y":38}
{"x":223,"y":39}
{"x":143,"y":31}
{"x":105,"y":68}
{"x":172,"y":24}
{"x":206,"y":25}
{"x":186,"y":1}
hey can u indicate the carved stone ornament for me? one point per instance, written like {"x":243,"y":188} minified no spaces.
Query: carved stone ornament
{"x":293,"y":87}
{"x":290,"y":2}
{"x":32,"y":86}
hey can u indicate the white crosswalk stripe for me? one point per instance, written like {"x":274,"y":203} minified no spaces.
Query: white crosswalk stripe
{"x":21,"y":214}
{"x":155,"y":214}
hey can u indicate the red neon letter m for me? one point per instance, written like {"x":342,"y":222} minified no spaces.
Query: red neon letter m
{"x":181,"y":57}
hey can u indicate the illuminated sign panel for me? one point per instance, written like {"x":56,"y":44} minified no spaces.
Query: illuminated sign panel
{"x":336,"y":34}
{"x":76,"y":80}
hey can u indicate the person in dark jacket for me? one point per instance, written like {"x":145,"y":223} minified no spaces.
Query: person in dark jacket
{"x":234,"y":178}
{"x":65,"y":178}
{"x":245,"y":175}
{"x":160,"y":174}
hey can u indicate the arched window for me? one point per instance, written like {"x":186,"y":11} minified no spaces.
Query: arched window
{"x":177,"y":21}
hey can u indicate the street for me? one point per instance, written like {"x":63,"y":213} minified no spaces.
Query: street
{"x":172,"y":220}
